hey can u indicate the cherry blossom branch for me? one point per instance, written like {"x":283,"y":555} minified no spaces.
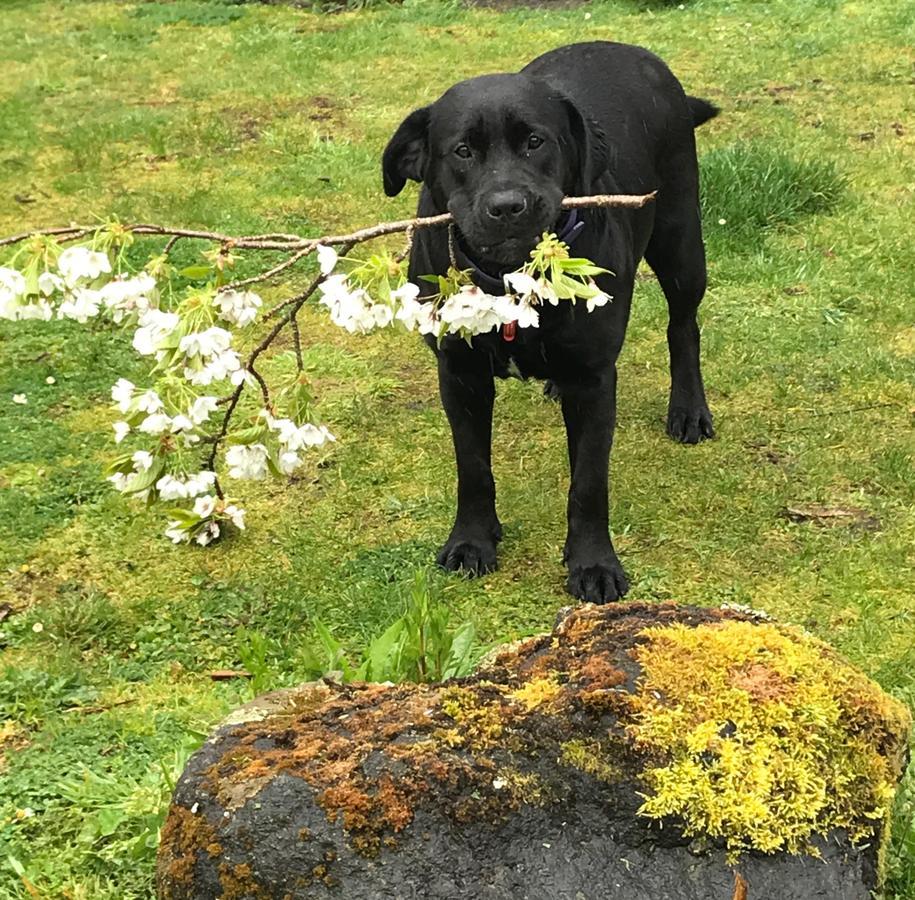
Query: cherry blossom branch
{"x":190,"y":337}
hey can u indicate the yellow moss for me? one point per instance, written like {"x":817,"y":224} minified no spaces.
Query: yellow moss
{"x":760,"y":736}
{"x":480,"y":722}
{"x":591,"y":757}
{"x":537,"y":692}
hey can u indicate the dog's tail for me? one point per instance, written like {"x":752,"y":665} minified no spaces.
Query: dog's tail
{"x":701,"y":110}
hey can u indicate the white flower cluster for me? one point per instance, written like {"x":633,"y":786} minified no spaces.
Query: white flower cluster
{"x":209,"y":357}
{"x":171,"y":488}
{"x":201,"y":524}
{"x":125,"y":482}
{"x":238,"y":307}
{"x":134,"y":404}
{"x":294,"y":438}
{"x":352,"y":308}
{"x":538,"y":290}
{"x":468,"y":311}
{"x":76,"y":289}
{"x":252,"y":461}
{"x":13,"y":304}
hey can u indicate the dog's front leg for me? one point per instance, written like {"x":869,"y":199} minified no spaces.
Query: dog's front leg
{"x":595,"y":573}
{"x":466,"y":385}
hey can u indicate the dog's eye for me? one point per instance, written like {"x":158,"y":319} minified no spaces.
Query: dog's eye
{"x":534,"y":141}
{"x":463,"y":151}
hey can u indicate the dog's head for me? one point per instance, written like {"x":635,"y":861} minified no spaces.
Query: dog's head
{"x":499,"y":152}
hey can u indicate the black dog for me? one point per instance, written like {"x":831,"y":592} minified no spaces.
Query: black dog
{"x":500,"y":152}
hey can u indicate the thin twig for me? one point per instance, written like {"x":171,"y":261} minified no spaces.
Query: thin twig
{"x":278,"y":241}
{"x":171,"y":243}
{"x":297,"y":343}
{"x":296,"y":304}
{"x":286,"y":264}
{"x":265,"y":391}
{"x":308,"y":291}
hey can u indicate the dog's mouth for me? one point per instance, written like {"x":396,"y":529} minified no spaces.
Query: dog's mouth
{"x":509,"y":253}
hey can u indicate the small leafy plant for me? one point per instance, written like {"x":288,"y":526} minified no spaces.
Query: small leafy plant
{"x":421,"y":645}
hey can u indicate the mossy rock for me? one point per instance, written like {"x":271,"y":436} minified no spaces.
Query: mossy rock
{"x":638,"y":751}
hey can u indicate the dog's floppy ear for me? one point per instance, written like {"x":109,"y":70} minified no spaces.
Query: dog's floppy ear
{"x":591,"y":155}
{"x":407,"y":152}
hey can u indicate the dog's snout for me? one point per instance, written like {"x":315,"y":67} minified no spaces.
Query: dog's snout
{"x":506,"y":205}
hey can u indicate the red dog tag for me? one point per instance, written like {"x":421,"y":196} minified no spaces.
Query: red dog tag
{"x":509,"y":329}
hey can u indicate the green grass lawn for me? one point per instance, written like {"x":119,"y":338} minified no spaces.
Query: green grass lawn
{"x":249,"y":118}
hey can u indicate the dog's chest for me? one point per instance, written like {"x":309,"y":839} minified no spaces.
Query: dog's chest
{"x":523,"y":357}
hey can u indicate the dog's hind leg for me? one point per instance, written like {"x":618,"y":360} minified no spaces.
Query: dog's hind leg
{"x":677,"y":256}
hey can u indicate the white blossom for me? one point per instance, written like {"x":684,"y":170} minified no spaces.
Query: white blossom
{"x":123,"y":296}
{"x":20,"y":399}
{"x":48,"y":283}
{"x":236,"y":515}
{"x":142,"y":461}
{"x":121,"y":430}
{"x":201,"y":408}
{"x":524,"y":314}
{"x":148,"y":402}
{"x":119,"y":481}
{"x":472,"y":311}
{"x":155,"y":328}
{"x":210,"y":343}
{"x":295,"y":437}
{"x":40,"y":310}
{"x":238,"y":307}
{"x":11,"y":282}
{"x":176,"y":531}
{"x":157,"y":423}
{"x":242,"y":375}
{"x":181,"y":423}
{"x":288,"y":461}
{"x":122,"y":394}
{"x":200,"y":483}
{"x":531,"y":289}
{"x":207,"y":534}
{"x":82,"y":264}
{"x":416,"y":316}
{"x":204,"y":506}
{"x":226,"y":364}
{"x":170,"y":488}
{"x":247,"y":461}
{"x":12,"y":289}
{"x":352,"y":308}
{"x":327,"y":259}
{"x":599,"y":299}
{"x":82,"y":305}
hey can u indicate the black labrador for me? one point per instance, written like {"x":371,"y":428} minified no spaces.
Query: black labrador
{"x":500,"y":152}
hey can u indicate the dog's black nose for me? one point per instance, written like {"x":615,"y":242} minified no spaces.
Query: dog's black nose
{"x":506,"y":205}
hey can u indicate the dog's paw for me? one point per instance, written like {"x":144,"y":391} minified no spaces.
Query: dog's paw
{"x":551,"y":391}
{"x":598,"y":583}
{"x":471,"y":557}
{"x":689,"y":425}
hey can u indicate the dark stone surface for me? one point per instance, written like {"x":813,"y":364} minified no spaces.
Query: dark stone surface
{"x":249,"y":826}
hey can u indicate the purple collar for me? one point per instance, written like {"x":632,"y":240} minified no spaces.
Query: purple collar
{"x":569,"y":230}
